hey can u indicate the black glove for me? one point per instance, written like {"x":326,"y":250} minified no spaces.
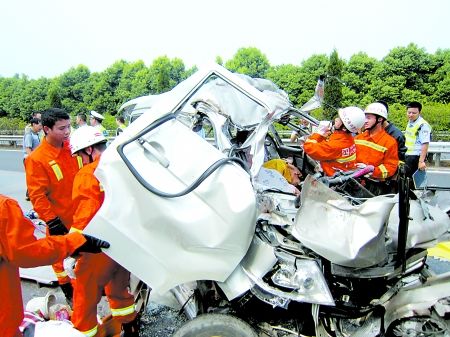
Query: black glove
{"x":56,"y":227}
{"x":92,"y":245}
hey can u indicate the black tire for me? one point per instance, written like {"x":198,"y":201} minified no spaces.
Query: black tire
{"x":209,"y":325}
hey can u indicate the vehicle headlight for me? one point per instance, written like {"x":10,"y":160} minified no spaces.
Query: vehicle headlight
{"x":306,"y":280}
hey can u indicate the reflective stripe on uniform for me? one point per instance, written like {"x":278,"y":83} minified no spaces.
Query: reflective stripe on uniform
{"x":411,"y":136}
{"x":90,"y":333}
{"x":61,"y":274}
{"x":311,"y":141}
{"x":346,"y":159}
{"x":384,"y":171}
{"x":75,"y":230}
{"x":80,"y":162}
{"x":373,"y":146}
{"x":123,"y":311}
{"x":56,"y":169}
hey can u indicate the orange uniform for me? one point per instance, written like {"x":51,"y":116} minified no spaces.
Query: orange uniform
{"x":336,"y":152}
{"x":95,"y":272}
{"x":19,"y":248}
{"x":379,"y":150}
{"x":50,"y":172}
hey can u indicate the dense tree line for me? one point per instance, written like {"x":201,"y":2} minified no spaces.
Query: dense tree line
{"x":405,"y":74}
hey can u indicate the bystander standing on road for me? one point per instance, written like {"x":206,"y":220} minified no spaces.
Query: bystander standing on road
{"x":31,"y":140}
{"x":28,"y":126}
{"x":418,"y":137}
{"x":80,"y":120}
{"x":120,"y":121}
{"x":96,"y":120}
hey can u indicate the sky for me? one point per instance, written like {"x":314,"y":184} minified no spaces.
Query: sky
{"x":48,"y":37}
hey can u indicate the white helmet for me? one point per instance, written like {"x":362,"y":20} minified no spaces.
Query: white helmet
{"x":96,"y":115}
{"x":352,"y":117}
{"x":376,"y":109}
{"x":84,"y":137}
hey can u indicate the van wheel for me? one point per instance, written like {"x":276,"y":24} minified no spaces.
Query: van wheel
{"x":209,"y":325}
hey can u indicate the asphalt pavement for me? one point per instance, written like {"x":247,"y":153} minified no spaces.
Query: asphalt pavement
{"x":12,"y":177}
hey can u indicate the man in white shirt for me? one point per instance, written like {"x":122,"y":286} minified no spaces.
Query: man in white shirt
{"x":417,"y":134}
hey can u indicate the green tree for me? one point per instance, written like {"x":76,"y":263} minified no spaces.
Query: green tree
{"x":412,"y":64}
{"x":6,"y":90}
{"x":69,"y":89}
{"x":164,"y":74}
{"x":219,"y":60}
{"x":311,"y":69}
{"x":133,"y":82}
{"x":440,"y":80}
{"x":289,"y":78}
{"x":249,"y":61}
{"x":333,"y":86}
{"x":357,"y":76}
{"x":99,"y":93}
{"x":33,"y":97}
{"x":54,"y":95}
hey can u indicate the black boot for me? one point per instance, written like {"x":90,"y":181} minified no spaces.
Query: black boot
{"x":130,"y":329}
{"x":67,"y":290}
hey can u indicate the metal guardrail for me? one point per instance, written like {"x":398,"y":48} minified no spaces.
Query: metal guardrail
{"x":437,"y":148}
{"x":11,"y":140}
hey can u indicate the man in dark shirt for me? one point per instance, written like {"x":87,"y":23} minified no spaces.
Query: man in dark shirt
{"x":395,"y":132}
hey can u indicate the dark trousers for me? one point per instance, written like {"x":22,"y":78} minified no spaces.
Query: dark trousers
{"x":411,"y":165}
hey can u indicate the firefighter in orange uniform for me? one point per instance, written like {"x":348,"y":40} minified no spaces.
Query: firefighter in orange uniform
{"x":20,"y":248}
{"x":95,"y":273}
{"x":338,"y":151}
{"x":376,"y":147}
{"x":50,"y":170}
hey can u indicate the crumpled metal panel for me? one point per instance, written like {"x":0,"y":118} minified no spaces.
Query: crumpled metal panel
{"x":259,"y":259}
{"x":202,"y":235}
{"x":242,"y":110}
{"x":417,"y":300}
{"x":426,"y":226}
{"x":223,"y":104}
{"x":347,"y":235}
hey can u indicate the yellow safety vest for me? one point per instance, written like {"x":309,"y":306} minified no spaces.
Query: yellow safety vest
{"x":411,"y":134}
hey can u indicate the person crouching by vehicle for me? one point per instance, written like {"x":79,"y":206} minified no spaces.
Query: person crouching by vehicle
{"x":376,"y":147}
{"x":338,"y":151}
{"x":95,"y":273}
{"x":20,"y":248}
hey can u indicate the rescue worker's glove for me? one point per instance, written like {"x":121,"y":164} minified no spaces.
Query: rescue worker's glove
{"x":56,"y":227}
{"x":92,"y":245}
